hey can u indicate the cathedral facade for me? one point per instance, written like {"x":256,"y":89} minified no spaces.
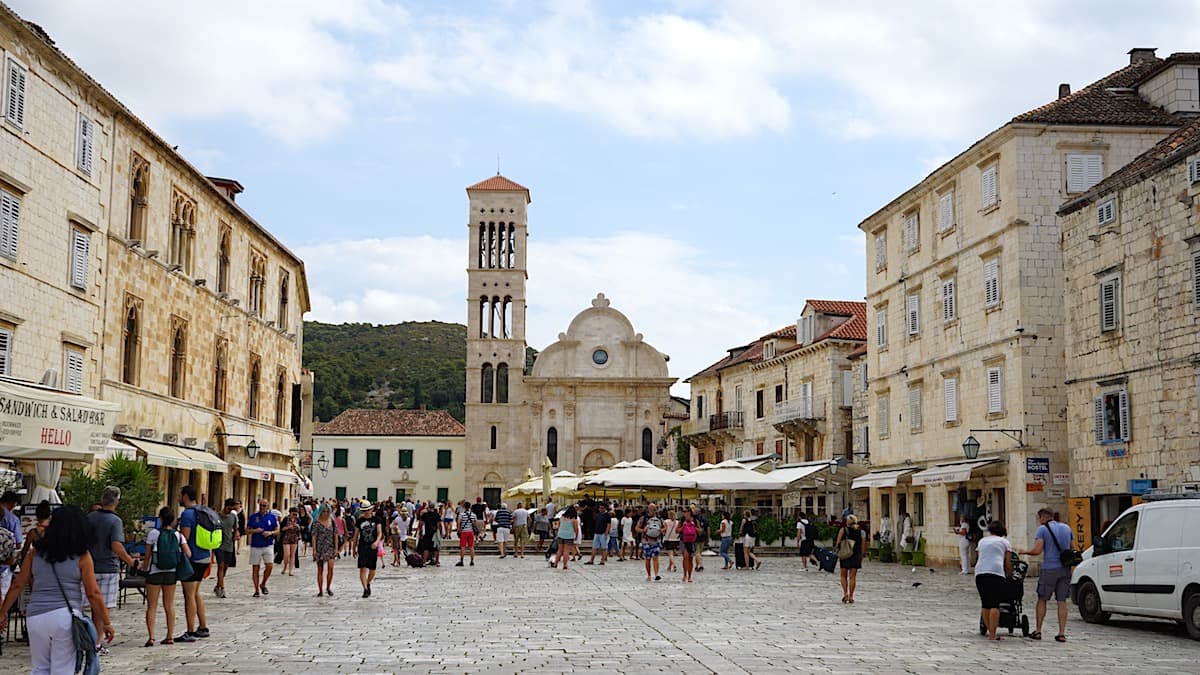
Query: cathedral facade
{"x":596,"y":396}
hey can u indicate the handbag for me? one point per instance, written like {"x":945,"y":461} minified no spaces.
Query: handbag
{"x":183,"y":571}
{"x":845,"y":548}
{"x":1069,"y":557}
{"x":81,"y":631}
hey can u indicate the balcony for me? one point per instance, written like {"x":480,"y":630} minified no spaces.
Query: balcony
{"x":725,"y":420}
{"x":804,"y":415}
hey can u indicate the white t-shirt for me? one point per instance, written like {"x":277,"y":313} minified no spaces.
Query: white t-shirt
{"x":800,"y":525}
{"x":992,"y":550}
{"x":520,"y":518}
{"x":627,"y":528}
{"x":151,"y":539}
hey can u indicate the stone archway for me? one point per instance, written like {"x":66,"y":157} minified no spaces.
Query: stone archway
{"x":492,"y":486}
{"x":597,"y":459}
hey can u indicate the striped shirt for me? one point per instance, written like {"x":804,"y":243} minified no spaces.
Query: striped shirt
{"x":503,"y":518}
{"x":466,"y":521}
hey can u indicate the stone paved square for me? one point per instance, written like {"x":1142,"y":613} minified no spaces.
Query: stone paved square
{"x":517,"y":616}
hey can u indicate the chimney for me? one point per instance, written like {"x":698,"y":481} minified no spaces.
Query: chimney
{"x":1139,"y":54}
{"x":1064,"y":90}
{"x":227,"y":186}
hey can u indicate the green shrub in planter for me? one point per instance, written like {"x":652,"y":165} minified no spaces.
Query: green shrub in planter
{"x":769,"y":529}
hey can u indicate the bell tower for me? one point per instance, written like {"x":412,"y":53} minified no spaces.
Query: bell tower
{"x":496,"y":276}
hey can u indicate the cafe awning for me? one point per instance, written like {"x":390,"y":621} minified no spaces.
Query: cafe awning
{"x":286,"y":477}
{"x":880,"y":479}
{"x":956,"y":472}
{"x":175,"y":457}
{"x":41,"y":423}
{"x":255,"y":472}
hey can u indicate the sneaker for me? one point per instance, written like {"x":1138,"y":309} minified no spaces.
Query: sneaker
{"x":102,"y":650}
{"x":186,"y":637}
{"x":264,"y":590}
{"x":365,"y":593}
{"x":458,"y":564}
{"x":256,"y":594}
{"x":201,"y":632}
{"x":657,"y":578}
{"x":329,"y":592}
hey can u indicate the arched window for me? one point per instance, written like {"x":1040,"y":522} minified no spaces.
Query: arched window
{"x":131,"y":341}
{"x":512,"y":246}
{"x":506,"y":318}
{"x":482,"y":245}
{"x":183,"y":232}
{"x":552,"y":445}
{"x":502,"y":383}
{"x":493,"y":445}
{"x":220,"y":375}
{"x":223,"y":260}
{"x":280,"y":399}
{"x":255,"y":378}
{"x":139,"y":188}
{"x":648,"y":445}
{"x":282,"y":319}
{"x":498,"y":330}
{"x":178,"y":359}
{"x":486,"y":384}
{"x":484,"y":313}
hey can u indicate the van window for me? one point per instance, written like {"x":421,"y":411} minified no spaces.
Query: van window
{"x":1121,"y":535}
{"x":1191,"y":527}
{"x":1160,"y":528}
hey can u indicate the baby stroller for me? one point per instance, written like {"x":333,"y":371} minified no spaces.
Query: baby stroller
{"x":1012,"y":613}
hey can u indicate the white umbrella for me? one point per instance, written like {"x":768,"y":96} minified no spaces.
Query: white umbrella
{"x":47,"y":473}
{"x":731,"y":475}
{"x":641,"y":474}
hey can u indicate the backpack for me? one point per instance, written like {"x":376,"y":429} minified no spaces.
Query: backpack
{"x":751,"y":529}
{"x":654,"y":527}
{"x":689,"y":532}
{"x":366,"y":533}
{"x":208,"y":528}
{"x":167,"y":551}
{"x":810,"y":531}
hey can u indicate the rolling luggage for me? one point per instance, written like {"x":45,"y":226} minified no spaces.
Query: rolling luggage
{"x":827,"y":558}
{"x":414,"y":560}
{"x":739,"y":555}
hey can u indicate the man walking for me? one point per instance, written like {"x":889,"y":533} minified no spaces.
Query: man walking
{"x":600,"y":539}
{"x":466,"y":534}
{"x":1051,"y":539}
{"x":520,"y":530}
{"x":193,"y":603}
{"x":108,"y":547}
{"x":263,"y":526}
{"x":227,"y":554}
{"x":369,"y":536}
{"x":651,"y":529}
{"x":503,"y":521}
{"x":10,"y":522}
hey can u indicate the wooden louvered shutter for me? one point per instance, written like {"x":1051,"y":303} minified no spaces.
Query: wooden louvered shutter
{"x":1196,"y":281}
{"x":880,"y":251}
{"x":5,"y":351}
{"x":995,"y":399}
{"x":948,"y":309}
{"x":991,"y":282}
{"x":988,"y":186}
{"x":87,"y":144}
{"x":14,"y":103}
{"x":1098,"y":418}
{"x":914,"y":408}
{"x":10,"y":219}
{"x":74,"y":368}
{"x":80,"y":258}
{"x":1109,"y":304}
{"x":1123,"y":401}
{"x":950,"y":396}
{"x":913,"y":309}
{"x":946,"y":212}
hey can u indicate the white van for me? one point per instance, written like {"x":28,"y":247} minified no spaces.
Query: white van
{"x":1147,"y":563}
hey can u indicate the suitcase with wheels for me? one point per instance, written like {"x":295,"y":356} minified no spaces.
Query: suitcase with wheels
{"x":827,"y":558}
{"x":414,"y":560}
{"x":739,"y":555}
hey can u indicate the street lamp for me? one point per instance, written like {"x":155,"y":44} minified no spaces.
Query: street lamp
{"x":252,"y":449}
{"x":323,"y":465}
{"x":971,"y":448}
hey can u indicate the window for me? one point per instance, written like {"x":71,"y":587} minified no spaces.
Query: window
{"x":258,"y":281}
{"x":1106,"y":211}
{"x":487,"y":380}
{"x":806,"y":400}
{"x":882,"y":414}
{"x":949,"y":310}
{"x":220,"y":374}
{"x":139,"y":190}
{"x":912,"y":306}
{"x":918,"y":509}
{"x":73,"y":367}
{"x":406,"y":458}
{"x":281,"y":398}
{"x":914,"y":408}
{"x":81,"y":242}
{"x":991,"y":282}
{"x":372,"y":494}
{"x":806,"y":329}
{"x":758,"y":448}
{"x":769,"y":349}
{"x":372,"y":458}
{"x":1110,"y":304}
{"x":778,"y":393}
{"x":950,"y":398}
{"x":880,"y":252}
{"x":552,"y":445}
{"x":6,"y":342}
{"x":1196,"y":281}
{"x":881,"y":327}
{"x":282,"y":318}
{"x":779,"y":446}
{"x":341,"y":458}
{"x":131,"y":340}
{"x":86,"y":146}
{"x":339,"y":493}
{"x":946,"y":211}
{"x":401,"y":495}
{"x":737,"y":398}
{"x":252,"y":400}
{"x":988,"y":186}
{"x":443,"y":495}
{"x":912,"y":231}
{"x":847,"y":389}
{"x":14,"y":100}
{"x":648,"y":445}
{"x":178,"y":357}
{"x":1194,"y":171}
{"x":223,"y":259}
{"x":183,"y":232}
{"x":1083,"y":171}
{"x":700,"y":407}
{"x":1121,"y":535}
{"x":10,"y":223}
{"x":502,"y":383}
{"x":1112,"y":417}
{"x":995,"y":398}
{"x":758,"y":404}
{"x":443,"y":458}
{"x":865,"y":449}
{"x":720,"y":456}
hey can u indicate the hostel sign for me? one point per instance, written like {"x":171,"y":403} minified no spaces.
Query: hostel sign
{"x":38,"y":423}
{"x":1037,"y":473}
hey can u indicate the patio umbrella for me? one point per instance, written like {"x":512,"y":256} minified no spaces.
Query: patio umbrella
{"x":641,"y":474}
{"x":731,"y":475}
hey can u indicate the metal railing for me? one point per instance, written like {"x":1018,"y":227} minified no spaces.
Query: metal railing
{"x":725,"y":420}
{"x":797,"y":408}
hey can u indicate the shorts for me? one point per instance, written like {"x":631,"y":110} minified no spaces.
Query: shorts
{"x":520,"y":534}
{"x":599,"y":541}
{"x":199,"y":569}
{"x":671,"y":545}
{"x":466,"y":539}
{"x":651,"y":550}
{"x":1056,"y":582}
{"x":368,"y":557}
{"x":161,"y":579}
{"x":262,"y":555}
{"x":689,"y":547}
{"x":991,"y":590}
{"x":748,"y":541}
{"x":226,"y":558}
{"x":503,"y":534}
{"x":806,"y":547}
{"x":110,"y":587}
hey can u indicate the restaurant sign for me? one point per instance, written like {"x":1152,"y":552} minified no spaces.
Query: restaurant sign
{"x":38,"y":423}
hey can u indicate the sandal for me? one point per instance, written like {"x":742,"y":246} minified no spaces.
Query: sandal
{"x":1060,"y":638}
{"x":167,"y":641}
{"x":1035,"y":635}
{"x":149,"y":643}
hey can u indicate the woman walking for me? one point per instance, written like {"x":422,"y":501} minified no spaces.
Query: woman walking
{"x":291,"y":539}
{"x":726,"y":532}
{"x":805,"y":534}
{"x":749,"y":536}
{"x":164,"y":548}
{"x":305,"y":529}
{"x":851,"y":565}
{"x":541,"y":527}
{"x":689,"y":533}
{"x":324,"y":550}
{"x":992,"y":571}
{"x":627,"y":541}
{"x":568,"y":525}
{"x":61,"y":571}
{"x":671,"y":539}
{"x":339,"y":525}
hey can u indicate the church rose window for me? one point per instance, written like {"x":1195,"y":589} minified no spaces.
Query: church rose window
{"x":600,"y":357}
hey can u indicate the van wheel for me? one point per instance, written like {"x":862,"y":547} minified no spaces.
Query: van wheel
{"x":1191,"y":614}
{"x":1089,"y":604}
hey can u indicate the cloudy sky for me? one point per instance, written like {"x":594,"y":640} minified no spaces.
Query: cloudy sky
{"x":704,"y":164}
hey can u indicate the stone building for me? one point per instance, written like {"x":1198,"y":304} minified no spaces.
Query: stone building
{"x":1131,"y":247}
{"x":397,"y":454}
{"x":788,"y":394}
{"x":597,"y":396}
{"x":965,"y":287}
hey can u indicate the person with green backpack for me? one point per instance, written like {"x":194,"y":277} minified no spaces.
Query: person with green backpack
{"x":201,"y":526}
{"x":167,"y":554}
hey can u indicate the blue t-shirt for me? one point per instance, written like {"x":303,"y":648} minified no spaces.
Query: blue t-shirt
{"x":187,"y":519}
{"x":268,"y":522}
{"x":1051,"y":550}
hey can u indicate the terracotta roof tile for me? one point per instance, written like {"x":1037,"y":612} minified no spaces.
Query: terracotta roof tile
{"x":842,"y":307}
{"x":499,"y":183}
{"x":1110,"y":100}
{"x":1171,"y":150}
{"x":788,"y":331}
{"x":362,"y":422}
{"x":858,"y":352}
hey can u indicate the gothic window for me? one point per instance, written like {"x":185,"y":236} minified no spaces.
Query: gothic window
{"x":482,"y":245}
{"x":648,"y":445}
{"x":178,"y":357}
{"x":501,"y":247}
{"x":487,"y":383}
{"x":552,"y":445}
{"x":221,"y":374}
{"x":280,"y":398}
{"x":258,"y":281}
{"x":485,"y":314}
{"x":282,"y":319}
{"x":183,"y":232}
{"x":497,"y":320}
{"x":139,"y":189}
{"x":512,"y":243}
{"x":131,"y":340}
{"x":252,"y":402}
{"x":223,"y":245}
{"x":506,"y":318}
{"x":502,"y":383}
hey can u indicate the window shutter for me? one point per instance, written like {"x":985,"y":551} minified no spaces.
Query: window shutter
{"x":1106,"y":212}
{"x":1109,"y":299}
{"x":806,"y":398}
{"x":74,"y":363}
{"x":883,"y":416}
{"x":1098,"y":418}
{"x":989,"y":186}
{"x":847,"y":388}
{"x":880,"y":252}
{"x":913,"y":307}
{"x":994,"y":399}
{"x":1196,"y":281}
{"x":946,"y":212}
{"x":914,"y":408}
{"x":1083,"y":171}
{"x":1124,"y":403}
{"x":87,"y":130}
{"x":950,"y":396}
{"x":14,"y":103}
{"x":80,"y":258}
{"x":881,"y":327}
{"x":5,"y":351}
{"x":1194,"y":171}
{"x":912,"y":231}
{"x":948,"y":309}
{"x":10,"y":219}
{"x":991,"y":282}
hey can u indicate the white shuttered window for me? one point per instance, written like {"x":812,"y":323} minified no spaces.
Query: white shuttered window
{"x":912,"y":305}
{"x":6,"y":340}
{"x":1111,"y":412}
{"x":914,"y":409}
{"x":86,"y":144}
{"x":950,"y":398}
{"x":912,"y":231}
{"x":847,"y":389}
{"x":991,"y":282}
{"x":1106,"y":211}
{"x":881,"y":328}
{"x":73,"y":367}
{"x":14,"y":99}
{"x":995,"y":385}
{"x":10,"y":223}
{"x":880,"y":252}
{"x":1083,"y":171}
{"x":988,"y":186}
{"x":882,"y":422}
{"x":1194,"y":171}
{"x":949,"y":311}
{"x":80,"y":258}
{"x":946,"y":212}
{"x":1110,"y":304}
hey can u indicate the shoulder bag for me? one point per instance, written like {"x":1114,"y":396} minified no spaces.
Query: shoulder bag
{"x":1068,"y":556}
{"x":845,"y":548}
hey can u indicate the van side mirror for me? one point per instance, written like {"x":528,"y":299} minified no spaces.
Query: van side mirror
{"x":1098,"y":546}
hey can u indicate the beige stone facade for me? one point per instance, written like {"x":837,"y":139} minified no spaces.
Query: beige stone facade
{"x":1132,"y":253}
{"x":964,"y":293}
